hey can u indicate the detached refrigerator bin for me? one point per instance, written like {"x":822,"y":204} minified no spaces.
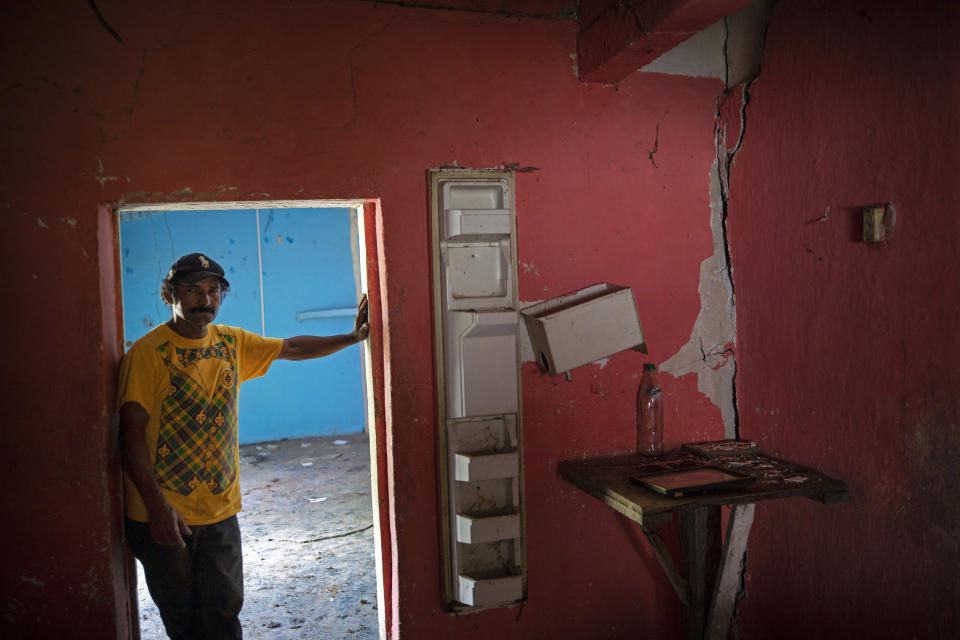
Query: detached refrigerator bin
{"x":489,"y":591}
{"x":583,"y":326}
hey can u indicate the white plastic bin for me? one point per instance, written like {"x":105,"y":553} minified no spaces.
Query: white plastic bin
{"x":583,"y":326}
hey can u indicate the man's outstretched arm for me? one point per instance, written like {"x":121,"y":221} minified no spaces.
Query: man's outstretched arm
{"x":307,"y":347}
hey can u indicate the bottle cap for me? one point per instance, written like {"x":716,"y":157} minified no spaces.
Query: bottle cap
{"x":649,"y":367}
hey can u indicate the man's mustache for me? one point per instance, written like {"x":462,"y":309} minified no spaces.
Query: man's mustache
{"x":203,"y":310}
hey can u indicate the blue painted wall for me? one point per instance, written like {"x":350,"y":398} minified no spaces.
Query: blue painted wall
{"x":307,"y":265}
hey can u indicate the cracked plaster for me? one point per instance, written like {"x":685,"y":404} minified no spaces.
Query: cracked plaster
{"x":731,"y":50}
{"x":708,"y":352}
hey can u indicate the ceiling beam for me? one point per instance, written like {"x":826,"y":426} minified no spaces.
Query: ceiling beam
{"x":617,"y":37}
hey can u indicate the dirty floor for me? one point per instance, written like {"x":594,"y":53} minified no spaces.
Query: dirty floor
{"x":308,"y":549}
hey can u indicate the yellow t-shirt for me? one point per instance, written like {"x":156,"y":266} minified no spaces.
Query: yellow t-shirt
{"x":189,"y":388}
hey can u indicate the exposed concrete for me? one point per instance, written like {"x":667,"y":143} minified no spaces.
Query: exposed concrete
{"x":729,"y":49}
{"x":709,"y":352}
{"x":734,"y":46}
{"x":699,"y":57}
{"x":616,"y":39}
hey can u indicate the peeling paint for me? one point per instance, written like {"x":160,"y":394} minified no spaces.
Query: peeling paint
{"x":186,"y":192}
{"x":90,"y":589}
{"x":42,"y":224}
{"x":13,"y":606}
{"x":218,"y":192}
{"x":33,"y":581}
{"x":709,"y":351}
{"x":70,"y":221}
{"x":101,"y":177}
{"x":137,"y":196}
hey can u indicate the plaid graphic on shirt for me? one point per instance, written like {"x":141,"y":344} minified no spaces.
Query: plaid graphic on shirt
{"x":198,"y":433}
{"x":189,"y":356}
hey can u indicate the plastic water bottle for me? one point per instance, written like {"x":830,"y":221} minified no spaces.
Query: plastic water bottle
{"x":649,"y":413}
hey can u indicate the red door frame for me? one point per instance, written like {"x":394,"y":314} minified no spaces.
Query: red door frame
{"x":112,"y":321}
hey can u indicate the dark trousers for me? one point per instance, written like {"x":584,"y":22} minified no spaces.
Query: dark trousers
{"x":198,"y":590}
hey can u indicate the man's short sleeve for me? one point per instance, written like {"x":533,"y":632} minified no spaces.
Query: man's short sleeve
{"x":139,"y":378}
{"x":255,"y":354}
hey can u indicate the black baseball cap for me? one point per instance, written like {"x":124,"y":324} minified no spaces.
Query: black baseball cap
{"x":193,"y":268}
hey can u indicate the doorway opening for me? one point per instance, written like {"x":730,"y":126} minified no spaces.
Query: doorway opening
{"x":308,"y":440}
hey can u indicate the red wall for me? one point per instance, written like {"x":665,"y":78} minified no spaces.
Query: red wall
{"x":257,"y":100}
{"x":848,"y":353}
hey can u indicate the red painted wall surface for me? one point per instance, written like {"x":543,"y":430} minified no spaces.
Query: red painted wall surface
{"x":254,"y":100}
{"x":848,"y":353}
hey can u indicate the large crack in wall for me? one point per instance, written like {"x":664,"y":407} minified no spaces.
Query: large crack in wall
{"x":710,"y":351}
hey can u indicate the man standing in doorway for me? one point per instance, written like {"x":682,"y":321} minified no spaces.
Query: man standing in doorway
{"x":177,"y":400}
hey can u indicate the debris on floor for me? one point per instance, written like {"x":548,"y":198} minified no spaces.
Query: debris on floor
{"x":308,"y":549}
